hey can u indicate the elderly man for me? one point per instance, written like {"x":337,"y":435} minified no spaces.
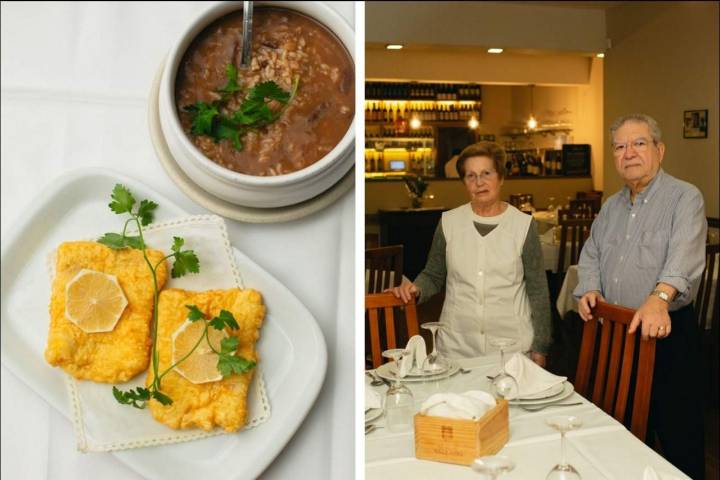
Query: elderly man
{"x":647,"y":251}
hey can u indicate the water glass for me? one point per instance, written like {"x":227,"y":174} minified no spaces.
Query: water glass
{"x":493,"y":465}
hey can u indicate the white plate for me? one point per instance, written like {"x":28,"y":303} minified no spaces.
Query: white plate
{"x":567,"y":390}
{"x":373,"y":414}
{"x":389,"y":370}
{"x":291,"y":346}
{"x":550,"y":392}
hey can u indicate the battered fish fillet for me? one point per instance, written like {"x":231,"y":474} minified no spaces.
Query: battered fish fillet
{"x":118,"y":355}
{"x":207,"y":405}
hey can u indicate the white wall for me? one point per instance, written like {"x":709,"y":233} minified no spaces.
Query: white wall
{"x":664,"y":60}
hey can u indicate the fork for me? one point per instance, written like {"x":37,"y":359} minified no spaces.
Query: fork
{"x":537,"y":408}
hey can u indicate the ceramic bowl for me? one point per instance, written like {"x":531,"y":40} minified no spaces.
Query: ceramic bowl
{"x":238,"y":188}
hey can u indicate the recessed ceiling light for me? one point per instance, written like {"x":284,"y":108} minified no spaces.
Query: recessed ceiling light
{"x":495,"y":50}
{"x":600,"y":55}
{"x":393,"y":47}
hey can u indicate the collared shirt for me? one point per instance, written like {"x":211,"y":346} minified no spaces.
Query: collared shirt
{"x":633,"y":246}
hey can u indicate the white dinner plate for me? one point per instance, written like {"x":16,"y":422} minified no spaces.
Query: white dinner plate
{"x":291,"y":346}
{"x":567,"y":390}
{"x":388,"y":371}
{"x":417,"y":372}
{"x":550,"y":392}
{"x":373,"y":414}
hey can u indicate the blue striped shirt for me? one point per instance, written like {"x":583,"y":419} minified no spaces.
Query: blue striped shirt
{"x":660,"y":237}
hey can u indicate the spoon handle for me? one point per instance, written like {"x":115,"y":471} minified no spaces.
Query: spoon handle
{"x":247,"y":34}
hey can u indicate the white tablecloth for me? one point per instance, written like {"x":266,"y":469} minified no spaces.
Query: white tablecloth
{"x":75,"y":81}
{"x":601,"y":449}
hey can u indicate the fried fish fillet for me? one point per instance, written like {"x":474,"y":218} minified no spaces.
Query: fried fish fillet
{"x":122,"y":353}
{"x":207,"y":405}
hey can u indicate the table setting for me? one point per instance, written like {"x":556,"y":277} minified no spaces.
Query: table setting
{"x":496,"y":416}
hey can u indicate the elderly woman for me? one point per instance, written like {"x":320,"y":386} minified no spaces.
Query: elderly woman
{"x":487,"y":255}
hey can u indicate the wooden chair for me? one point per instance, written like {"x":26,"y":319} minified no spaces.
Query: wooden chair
{"x":382,"y":306}
{"x":586,"y":207}
{"x":608,"y":369}
{"x":383,"y":268}
{"x":708,"y":296}
{"x":572,"y":230}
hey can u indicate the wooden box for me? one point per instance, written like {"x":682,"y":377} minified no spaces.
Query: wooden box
{"x":460,"y":441}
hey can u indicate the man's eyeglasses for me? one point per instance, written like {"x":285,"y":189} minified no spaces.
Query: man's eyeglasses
{"x":640,"y":145}
{"x":473,"y":177}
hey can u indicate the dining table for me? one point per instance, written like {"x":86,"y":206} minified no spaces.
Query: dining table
{"x":76,"y":78}
{"x":602,"y":448}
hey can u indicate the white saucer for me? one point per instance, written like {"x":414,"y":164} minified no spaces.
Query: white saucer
{"x":222,"y":207}
{"x":388,"y":371}
{"x":567,"y":390}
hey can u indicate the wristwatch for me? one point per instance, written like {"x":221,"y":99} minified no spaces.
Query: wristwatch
{"x":661,"y":294}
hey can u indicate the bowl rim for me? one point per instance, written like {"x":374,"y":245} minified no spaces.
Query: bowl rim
{"x":342,"y":30}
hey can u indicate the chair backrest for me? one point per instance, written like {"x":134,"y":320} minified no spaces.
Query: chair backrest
{"x":588,"y":206}
{"x":382,"y":306}
{"x":611,"y":364}
{"x":708,"y":297}
{"x":574,"y":231}
{"x":383,"y":268}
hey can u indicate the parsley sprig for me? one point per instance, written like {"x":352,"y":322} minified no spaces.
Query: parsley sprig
{"x":254,"y":112}
{"x":185,"y":261}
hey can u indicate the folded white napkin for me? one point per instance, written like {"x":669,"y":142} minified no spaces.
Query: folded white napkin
{"x":651,"y":474}
{"x":372,"y":398}
{"x":531,"y":378}
{"x":415,"y":357}
{"x":548,"y":237}
{"x":470,"y":405}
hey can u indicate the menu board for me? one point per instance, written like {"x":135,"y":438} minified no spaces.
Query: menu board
{"x":576,"y":159}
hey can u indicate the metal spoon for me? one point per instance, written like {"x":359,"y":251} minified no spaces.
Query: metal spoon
{"x":247,"y":35}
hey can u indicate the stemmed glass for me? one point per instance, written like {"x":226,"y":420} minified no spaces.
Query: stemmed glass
{"x":399,"y":402}
{"x":563,"y":470}
{"x":493,"y":465}
{"x":434,"y":363}
{"x":504,"y":384}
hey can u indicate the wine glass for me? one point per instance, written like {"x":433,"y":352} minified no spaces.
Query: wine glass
{"x":399,"y":402}
{"x":551,"y":205}
{"x":563,"y":470}
{"x":504,"y":385}
{"x":434,"y":363}
{"x":493,"y":465}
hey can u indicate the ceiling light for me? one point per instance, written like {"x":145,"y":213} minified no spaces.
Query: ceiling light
{"x":415,"y":123}
{"x":495,"y":50}
{"x":532,"y":123}
{"x":600,"y":55}
{"x":473,"y":123}
{"x":394,"y":47}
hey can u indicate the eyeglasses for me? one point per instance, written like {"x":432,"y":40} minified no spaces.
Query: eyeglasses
{"x":639,"y":145}
{"x":473,"y":177}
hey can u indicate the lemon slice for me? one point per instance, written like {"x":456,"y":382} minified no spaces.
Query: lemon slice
{"x":94,"y":301}
{"x":201,"y":365}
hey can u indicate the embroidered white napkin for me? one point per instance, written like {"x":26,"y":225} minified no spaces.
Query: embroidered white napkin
{"x":100,"y":423}
{"x":651,"y":474}
{"x":413,"y":361}
{"x":372,"y":398}
{"x":531,"y":377}
{"x":471,"y":405}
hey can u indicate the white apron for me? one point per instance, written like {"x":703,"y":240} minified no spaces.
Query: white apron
{"x":485,"y":288}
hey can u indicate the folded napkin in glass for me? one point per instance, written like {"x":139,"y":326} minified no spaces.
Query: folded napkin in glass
{"x":651,"y":474}
{"x":532,"y":379}
{"x":471,"y":405}
{"x":413,"y":360}
{"x":372,"y":398}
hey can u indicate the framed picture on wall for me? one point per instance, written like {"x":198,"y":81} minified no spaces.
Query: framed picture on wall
{"x":695,"y":124}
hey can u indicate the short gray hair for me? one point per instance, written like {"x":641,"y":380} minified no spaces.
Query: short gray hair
{"x":638,"y":117}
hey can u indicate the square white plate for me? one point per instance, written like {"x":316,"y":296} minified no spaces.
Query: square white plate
{"x":292,"y":347}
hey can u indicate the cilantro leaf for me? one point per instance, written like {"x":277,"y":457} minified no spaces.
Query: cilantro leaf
{"x":226,"y":129}
{"x":162,"y":398}
{"x":231,"y":86}
{"x":117,"y":241}
{"x":122,"y":200}
{"x":269,"y":90}
{"x":146,"y":212}
{"x":178,"y":242}
{"x":194,"y":314}
{"x":185,"y":262}
{"x":229,"y":345}
{"x":225,"y":319}
{"x":202,"y":115}
{"x":229,"y":364}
